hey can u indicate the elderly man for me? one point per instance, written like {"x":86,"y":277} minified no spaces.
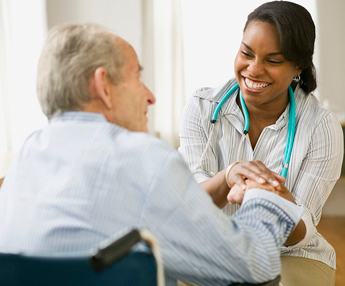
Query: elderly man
{"x":90,"y":174}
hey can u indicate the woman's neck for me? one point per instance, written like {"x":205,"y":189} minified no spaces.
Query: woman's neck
{"x":263,"y":116}
{"x":266,"y":112}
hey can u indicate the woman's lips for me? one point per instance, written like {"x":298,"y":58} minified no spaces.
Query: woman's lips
{"x":255,"y":84}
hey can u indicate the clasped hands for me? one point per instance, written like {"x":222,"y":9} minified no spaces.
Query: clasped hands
{"x":254,"y":174}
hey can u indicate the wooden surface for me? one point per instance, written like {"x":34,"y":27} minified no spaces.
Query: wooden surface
{"x":1,"y":179}
{"x":333,"y":229}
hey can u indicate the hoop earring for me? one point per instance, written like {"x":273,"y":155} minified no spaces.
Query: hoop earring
{"x":297,"y":79}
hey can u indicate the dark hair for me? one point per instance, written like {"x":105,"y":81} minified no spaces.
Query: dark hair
{"x":296,"y":31}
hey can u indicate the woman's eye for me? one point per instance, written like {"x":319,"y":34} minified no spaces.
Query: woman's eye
{"x":246,"y":54}
{"x":274,"y":62}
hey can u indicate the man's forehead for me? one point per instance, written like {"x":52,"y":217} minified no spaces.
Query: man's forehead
{"x":126,"y":49}
{"x":123,"y":45}
{"x":119,"y":41}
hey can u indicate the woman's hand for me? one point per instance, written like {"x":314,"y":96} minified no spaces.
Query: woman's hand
{"x":255,"y":171}
{"x":218,"y":187}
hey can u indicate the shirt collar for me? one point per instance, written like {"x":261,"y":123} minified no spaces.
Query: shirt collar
{"x":79,"y":116}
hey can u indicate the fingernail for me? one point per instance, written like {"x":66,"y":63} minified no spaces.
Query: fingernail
{"x":261,"y":180}
{"x":275,"y":183}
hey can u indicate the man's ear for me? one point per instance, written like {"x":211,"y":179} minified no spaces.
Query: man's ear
{"x":102,"y":86}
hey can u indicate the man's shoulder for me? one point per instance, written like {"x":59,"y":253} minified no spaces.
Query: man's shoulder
{"x":152,"y":156}
{"x":143,"y":144}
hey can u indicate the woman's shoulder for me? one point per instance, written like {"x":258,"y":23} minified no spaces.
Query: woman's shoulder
{"x":309,"y":107}
{"x":205,"y":94}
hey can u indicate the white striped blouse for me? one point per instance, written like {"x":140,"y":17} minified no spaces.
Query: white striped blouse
{"x":315,"y":161}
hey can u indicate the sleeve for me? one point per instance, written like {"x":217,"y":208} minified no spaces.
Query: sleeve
{"x":194,"y":136}
{"x":319,"y":172}
{"x":200,"y":244}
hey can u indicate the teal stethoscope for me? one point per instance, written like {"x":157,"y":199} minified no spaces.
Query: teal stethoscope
{"x":291,"y":126}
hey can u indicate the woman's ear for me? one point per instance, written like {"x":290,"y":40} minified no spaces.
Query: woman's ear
{"x":102,"y":86}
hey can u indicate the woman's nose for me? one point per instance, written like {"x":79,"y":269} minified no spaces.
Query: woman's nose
{"x":255,"y":68}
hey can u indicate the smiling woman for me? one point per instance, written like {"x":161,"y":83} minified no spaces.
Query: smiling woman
{"x":263,"y":75}
{"x":276,"y":75}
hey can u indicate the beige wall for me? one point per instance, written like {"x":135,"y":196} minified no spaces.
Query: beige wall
{"x":331,"y":41}
{"x":331,"y":45}
{"x":123,"y":16}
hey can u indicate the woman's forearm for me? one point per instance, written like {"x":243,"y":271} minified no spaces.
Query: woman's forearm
{"x":300,"y":230}
{"x":217,"y":188}
{"x":297,"y":235}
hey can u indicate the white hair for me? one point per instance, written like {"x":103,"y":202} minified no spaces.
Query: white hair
{"x":69,"y":58}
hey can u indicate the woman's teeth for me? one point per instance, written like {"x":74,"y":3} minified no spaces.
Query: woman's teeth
{"x":254,"y":85}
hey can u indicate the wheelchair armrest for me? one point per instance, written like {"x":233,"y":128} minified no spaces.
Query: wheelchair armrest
{"x":114,"y":251}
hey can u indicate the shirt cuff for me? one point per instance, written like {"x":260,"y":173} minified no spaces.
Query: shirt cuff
{"x":310,"y":229}
{"x":295,"y":212}
{"x":201,"y":178}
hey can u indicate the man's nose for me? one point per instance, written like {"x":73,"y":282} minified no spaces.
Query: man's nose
{"x":150,"y":97}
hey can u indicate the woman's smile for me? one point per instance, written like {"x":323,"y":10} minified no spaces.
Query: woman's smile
{"x":256,"y":85}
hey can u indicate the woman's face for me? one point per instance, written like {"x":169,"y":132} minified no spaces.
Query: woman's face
{"x":262,"y":72}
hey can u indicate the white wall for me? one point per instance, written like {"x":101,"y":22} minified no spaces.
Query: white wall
{"x":331,"y":43}
{"x":22,"y":34}
{"x":123,"y":16}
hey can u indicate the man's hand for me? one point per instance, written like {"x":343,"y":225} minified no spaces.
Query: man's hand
{"x":236,"y":193}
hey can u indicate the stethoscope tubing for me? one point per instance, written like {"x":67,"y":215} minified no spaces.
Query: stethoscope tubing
{"x":291,"y":133}
{"x":214,"y":115}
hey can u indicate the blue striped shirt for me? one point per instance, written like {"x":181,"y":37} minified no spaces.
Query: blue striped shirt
{"x":81,"y":180}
